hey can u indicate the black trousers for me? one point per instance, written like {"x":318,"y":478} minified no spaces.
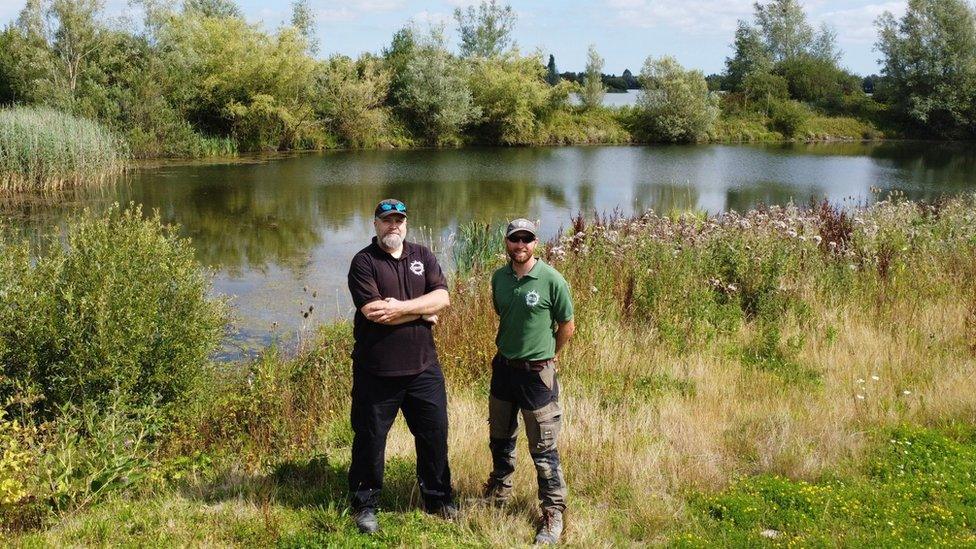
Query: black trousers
{"x":375,"y":402}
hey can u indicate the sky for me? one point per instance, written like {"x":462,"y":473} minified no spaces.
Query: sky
{"x":625,"y":32}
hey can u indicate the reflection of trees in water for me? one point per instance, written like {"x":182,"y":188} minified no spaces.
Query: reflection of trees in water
{"x":664,"y":198}
{"x":769,"y":193}
{"x":237,"y":216}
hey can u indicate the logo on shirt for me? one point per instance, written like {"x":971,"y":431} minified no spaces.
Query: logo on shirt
{"x":532,"y":298}
{"x":417,"y":268}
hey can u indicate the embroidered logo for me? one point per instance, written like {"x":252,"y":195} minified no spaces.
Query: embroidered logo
{"x":417,"y":268}
{"x":532,"y":298}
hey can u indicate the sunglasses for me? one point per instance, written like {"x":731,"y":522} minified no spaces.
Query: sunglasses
{"x":523,"y":239}
{"x":398,"y":207}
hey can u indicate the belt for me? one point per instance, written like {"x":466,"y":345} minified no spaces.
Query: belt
{"x":527,"y":365}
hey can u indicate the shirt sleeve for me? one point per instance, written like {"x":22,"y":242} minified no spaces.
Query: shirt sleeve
{"x":362,"y":283}
{"x":494,"y":294}
{"x":434,"y":275}
{"x":562,"y":301}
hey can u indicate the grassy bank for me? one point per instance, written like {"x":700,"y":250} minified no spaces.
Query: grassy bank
{"x":783,"y":375}
{"x":42,"y":150}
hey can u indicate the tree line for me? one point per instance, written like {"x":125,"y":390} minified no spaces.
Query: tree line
{"x":195,"y":78}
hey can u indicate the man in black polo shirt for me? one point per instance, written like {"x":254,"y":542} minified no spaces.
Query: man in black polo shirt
{"x":398,"y":289}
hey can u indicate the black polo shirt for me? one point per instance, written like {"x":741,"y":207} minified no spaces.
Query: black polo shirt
{"x":407,"y":348}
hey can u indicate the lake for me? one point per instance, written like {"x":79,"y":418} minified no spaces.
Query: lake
{"x":276,"y":229}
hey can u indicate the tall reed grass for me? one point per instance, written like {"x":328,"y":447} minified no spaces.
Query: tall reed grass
{"x":42,"y":149}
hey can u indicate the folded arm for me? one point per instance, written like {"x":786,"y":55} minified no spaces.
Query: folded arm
{"x":392,"y":311}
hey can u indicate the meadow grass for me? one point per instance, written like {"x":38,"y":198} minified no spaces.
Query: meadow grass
{"x":784,"y":375}
{"x":42,"y":149}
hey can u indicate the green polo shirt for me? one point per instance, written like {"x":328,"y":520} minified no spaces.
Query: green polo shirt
{"x":528,"y":309}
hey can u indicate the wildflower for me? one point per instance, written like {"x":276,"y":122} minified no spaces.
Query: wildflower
{"x":860,"y":397}
{"x":906,"y":392}
{"x":732,"y":287}
{"x":594,"y":289}
{"x":875,"y":378}
{"x":860,"y":380}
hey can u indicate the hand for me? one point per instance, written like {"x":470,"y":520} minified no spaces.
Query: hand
{"x":430,"y":318}
{"x":386,"y":311}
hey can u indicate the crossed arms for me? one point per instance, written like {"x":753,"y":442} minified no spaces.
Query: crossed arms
{"x":391,"y":311}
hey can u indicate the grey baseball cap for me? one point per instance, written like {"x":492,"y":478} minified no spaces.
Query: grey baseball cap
{"x":520,"y":225}
{"x":390,"y":206}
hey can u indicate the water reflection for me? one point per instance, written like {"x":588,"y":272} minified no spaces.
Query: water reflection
{"x":273,"y":226}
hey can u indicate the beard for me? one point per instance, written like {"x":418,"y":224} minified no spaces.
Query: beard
{"x":514,"y":257}
{"x":392,"y":241}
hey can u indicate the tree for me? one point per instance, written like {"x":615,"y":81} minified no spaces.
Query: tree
{"x":674,"y":104}
{"x":750,"y":56}
{"x":303,"y":19}
{"x":350,"y":98}
{"x":552,"y":75}
{"x":593,"y":89}
{"x":485,"y":30}
{"x":784,"y":28}
{"x":929,"y":64}
{"x":629,"y":79}
{"x":433,"y":93}
{"x":212,"y":8}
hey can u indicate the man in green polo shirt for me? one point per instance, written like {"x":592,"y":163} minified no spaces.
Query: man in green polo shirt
{"x":535,"y":313}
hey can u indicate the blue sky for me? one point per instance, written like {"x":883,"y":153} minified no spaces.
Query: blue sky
{"x":697,"y":32}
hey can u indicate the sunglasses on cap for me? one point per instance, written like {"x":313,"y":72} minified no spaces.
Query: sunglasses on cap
{"x":524,"y":239}
{"x":399,"y":206}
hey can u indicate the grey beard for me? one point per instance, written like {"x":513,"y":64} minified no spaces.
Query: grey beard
{"x":392,"y":241}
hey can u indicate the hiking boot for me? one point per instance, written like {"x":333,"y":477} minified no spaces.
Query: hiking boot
{"x":495,"y":492}
{"x":447,"y":511}
{"x":366,"y":520}
{"x":550,"y":527}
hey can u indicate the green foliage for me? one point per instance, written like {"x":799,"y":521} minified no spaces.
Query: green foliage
{"x":816,"y":79}
{"x":917,"y":490}
{"x":93,"y":451}
{"x":43,"y":149}
{"x":593,"y":89}
{"x":513,"y":97}
{"x":788,"y":117}
{"x":929,"y":58}
{"x":762,"y":88}
{"x":486,"y":30}
{"x":116,"y":304}
{"x":477,"y":247}
{"x":674,"y":104}
{"x":432,"y":92}
{"x":350,"y":99}
{"x":552,"y":73}
{"x":235,"y":78}
{"x":751,"y":56}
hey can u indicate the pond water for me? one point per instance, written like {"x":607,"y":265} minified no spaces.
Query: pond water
{"x":276,"y":229}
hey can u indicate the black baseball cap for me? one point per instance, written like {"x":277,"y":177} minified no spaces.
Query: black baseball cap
{"x":390,"y":206}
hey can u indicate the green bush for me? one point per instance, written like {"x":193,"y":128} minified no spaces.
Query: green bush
{"x":115,"y":303}
{"x":674,"y":104}
{"x":788,"y":117}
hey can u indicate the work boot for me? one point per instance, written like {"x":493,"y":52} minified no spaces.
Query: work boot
{"x":495,"y":492}
{"x":366,"y":520}
{"x":447,"y":511}
{"x":550,"y":527}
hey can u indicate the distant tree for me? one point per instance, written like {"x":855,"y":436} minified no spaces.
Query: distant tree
{"x":674,"y":104}
{"x":303,"y":19}
{"x":350,"y":98}
{"x":212,"y":8}
{"x":552,"y":75}
{"x":929,"y":63}
{"x":593,"y":89}
{"x":486,"y":30}
{"x":784,"y":27}
{"x":751,"y":55}
{"x":629,"y":79}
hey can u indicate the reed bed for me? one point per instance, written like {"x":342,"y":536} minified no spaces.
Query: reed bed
{"x":42,"y":149}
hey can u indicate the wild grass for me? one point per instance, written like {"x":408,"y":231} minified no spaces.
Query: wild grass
{"x":738,"y":361}
{"x":43,"y":149}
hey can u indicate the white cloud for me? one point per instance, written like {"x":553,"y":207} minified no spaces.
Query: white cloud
{"x":436,"y":18}
{"x":697,"y":16}
{"x":856,"y":25}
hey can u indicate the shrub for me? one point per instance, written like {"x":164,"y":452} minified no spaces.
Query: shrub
{"x":117,"y":302}
{"x":788,"y":117}
{"x":674,"y":104}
